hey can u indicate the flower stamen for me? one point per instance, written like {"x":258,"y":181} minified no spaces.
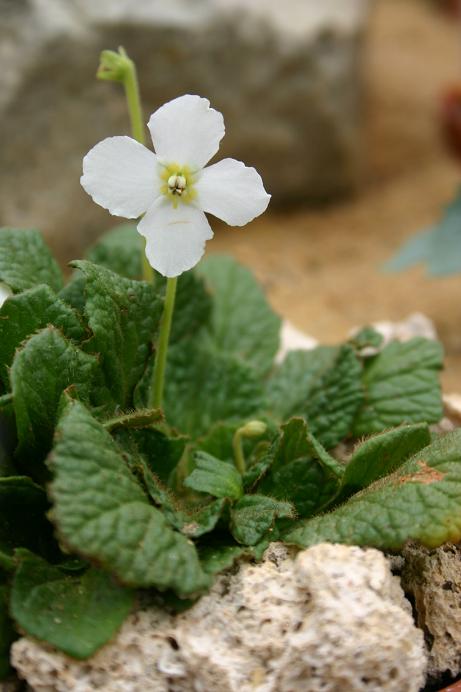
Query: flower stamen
{"x":178,"y":183}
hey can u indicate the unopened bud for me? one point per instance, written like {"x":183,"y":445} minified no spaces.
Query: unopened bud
{"x":113,"y":65}
{"x":254,"y":428}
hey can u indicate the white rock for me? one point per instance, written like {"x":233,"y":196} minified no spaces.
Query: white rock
{"x":415,"y":324}
{"x":292,"y":339}
{"x":286,"y":74}
{"x":333,"y":619}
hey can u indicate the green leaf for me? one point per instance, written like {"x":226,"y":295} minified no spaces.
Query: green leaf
{"x":160,"y":450}
{"x":302,"y":472}
{"x":121,"y":250}
{"x":75,"y":613}
{"x":26,"y":313}
{"x":73,"y":293}
{"x":193,"y":307}
{"x":401,"y":386}
{"x":421,"y":501}
{"x":204,"y":387}
{"x":290,"y":384}
{"x":137,"y":419}
{"x":47,"y":365}
{"x":417,"y":249}
{"x":102,"y":513}
{"x":323,"y":386}
{"x":7,"y":634}
{"x":439,"y":246}
{"x":253,"y":515}
{"x":154,"y":450}
{"x":123,"y":316}
{"x":242,"y":322}
{"x":383,"y":453}
{"x":216,"y":558}
{"x":215,"y":477}
{"x":334,"y":399}
{"x":23,"y":523}
{"x":191,"y":521}
{"x":25,"y":261}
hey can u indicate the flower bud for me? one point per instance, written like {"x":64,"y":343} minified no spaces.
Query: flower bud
{"x":254,"y":428}
{"x":113,"y":65}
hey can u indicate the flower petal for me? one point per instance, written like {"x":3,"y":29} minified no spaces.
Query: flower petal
{"x":122,"y":176}
{"x":5,"y":292}
{"x":175,"y":237}
{"x":231,"y":191}
{"x":186,"y":131}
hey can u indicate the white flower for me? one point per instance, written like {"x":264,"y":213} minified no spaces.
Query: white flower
{"x":5,"y":292}
{"x":172,"y":187}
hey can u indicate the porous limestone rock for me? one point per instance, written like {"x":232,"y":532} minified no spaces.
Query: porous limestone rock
{"x":287,"y":76}
{"x":433,"y":580}
{"x":333,"y":618}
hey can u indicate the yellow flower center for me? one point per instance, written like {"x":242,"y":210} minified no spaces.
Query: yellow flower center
{"x":178,"y":184}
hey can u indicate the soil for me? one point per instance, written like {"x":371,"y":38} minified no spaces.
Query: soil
{"x":322,"y":268}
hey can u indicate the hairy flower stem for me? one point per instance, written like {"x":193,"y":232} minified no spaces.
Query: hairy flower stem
{"x":254,"y":428}
{"x":239,"y":457}
{"x":158,"y":379}
{"x":119,"y":67}
{"x":131,"y":86}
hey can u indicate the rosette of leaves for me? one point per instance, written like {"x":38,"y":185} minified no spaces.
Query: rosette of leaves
{"x":101,"y":496}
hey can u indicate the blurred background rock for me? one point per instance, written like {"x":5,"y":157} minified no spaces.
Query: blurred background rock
{"x":334,"y":101}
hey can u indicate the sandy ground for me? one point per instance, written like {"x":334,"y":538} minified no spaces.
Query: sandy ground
{"x":321,"y":268}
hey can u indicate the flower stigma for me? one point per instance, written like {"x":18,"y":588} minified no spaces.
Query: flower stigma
{"x":178,"y":184}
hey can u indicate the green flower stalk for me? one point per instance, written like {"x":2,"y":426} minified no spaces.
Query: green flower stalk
{"x":169,"y":191}
{"x":254,"y":428}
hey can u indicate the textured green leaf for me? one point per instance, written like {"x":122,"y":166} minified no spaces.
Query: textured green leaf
{"x":120,"y":250}
{"x":41,"y":371}
{"x":191,"y":521}
{"x":216,"y":558}
{"x":73,"y":293}
{"x":26,"y":313}
{"x":421,"y":501}
{"x":7,"y":436}
{"x":123,"y":316}
{"x":302,"y":472}
{"x":23,"y":523}
{"x":7,"y":634}
{"x":401,"y":386}
{"x":323,"y":386}
{"x":25,"y":260}
{"x":193,"y":307}
{"x":204,"y":387}
{"x":134,"y":420}
{"x":156,"y":448}
{"x":242,"y":322}
{"x":102,"y":513}
{"x":384,"y":453}
{"x":75,"y":613}
{"x":289,"y":386}
{"x":215,"y":477}
{"x":439,"y":246}
{"x":253,"y":515}
{"x":334,"y":399}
